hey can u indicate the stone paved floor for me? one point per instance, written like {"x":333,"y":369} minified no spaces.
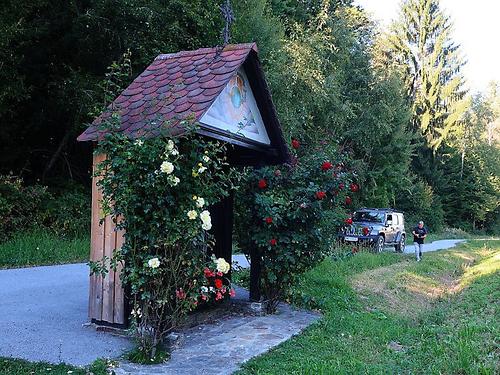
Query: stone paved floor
{"x":221,"y":347}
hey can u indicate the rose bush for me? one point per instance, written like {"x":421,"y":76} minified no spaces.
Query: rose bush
{"x":159,"y":190}
{"x":289,"y":215}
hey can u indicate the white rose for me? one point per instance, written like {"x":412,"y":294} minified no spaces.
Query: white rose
{"x":175,"y":181}
{"x":174,"y":152}
{"x":138,"y":142}
{"x":206,"y":159}
{"x":202,"y":169}
{"x":170,"y":145}
{"x":200,"y":202}
{"x":192,"y":214}
{"x":206,"y":220}
{"x":222,"y":265}
{"x":204,"y":289}
{"x":154,"y":263}
{"x":167,"y":167}
{"x":205,"y":216}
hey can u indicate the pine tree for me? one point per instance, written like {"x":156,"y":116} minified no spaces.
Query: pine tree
{"x":420,"y":44}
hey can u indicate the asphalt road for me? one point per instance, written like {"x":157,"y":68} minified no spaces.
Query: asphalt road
{"x":43,"y":310}
{"x":433,"y":246}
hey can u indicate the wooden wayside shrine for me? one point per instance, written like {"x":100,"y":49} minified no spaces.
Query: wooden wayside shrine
{"x":225,"y":92}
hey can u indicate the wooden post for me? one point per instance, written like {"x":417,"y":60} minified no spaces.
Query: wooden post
{"x":222,"y":223}
{"x":106,"y":294}
{"x":255,"y":269}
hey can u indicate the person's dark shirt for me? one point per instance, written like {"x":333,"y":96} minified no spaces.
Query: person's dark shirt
{"x":420,"y":232}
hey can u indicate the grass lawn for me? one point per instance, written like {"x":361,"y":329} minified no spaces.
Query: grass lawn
{"x":9,"y":366}
{"x":42,"y":248}
{"x":387,"y":314}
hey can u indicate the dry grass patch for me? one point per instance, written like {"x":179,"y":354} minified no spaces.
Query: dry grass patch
{"x":381,"y":289}
{"x":409,"y":288}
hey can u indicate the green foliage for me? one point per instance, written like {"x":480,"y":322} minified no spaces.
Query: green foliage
{"x":420,"y":45}
{"x":10,"y":366}
{"x":20,"y":205}
{"x":54,"y":55}
{"x":330,"y":95}
{"x":139,"y":356}
{"x":289,"y":215}
{"x":158,"y":190}
{"x":42,"y":247}
{"x":65,"y":212}
{"x":420,"y":203}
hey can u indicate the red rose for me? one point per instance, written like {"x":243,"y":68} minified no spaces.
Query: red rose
{"x":208,"y":273}
{"x":180,"y":294}
{"x":326,"y":166}
{"x":341,"y":186}
{"x":348,"y":221}
{"x":262,"y":183}
{"x":348,"y":200}
{"x":295,"y":144}
{"x":273,"y":241}
{"x":354,"y":187}
{"x":320,"y":195}
{"x":269,"y":220}
{"x":218,"y":283}
{"x":366,"y":230}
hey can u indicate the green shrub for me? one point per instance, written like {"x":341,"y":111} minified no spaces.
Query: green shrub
{"x":65,"y":212}
{"x":160,"y":190}
{"x":68,"y":213}
{"x":21,"y":207}
{"x":290,"y":216}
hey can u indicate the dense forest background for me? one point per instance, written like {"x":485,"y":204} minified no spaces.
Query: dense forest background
{"x":394,"y":102}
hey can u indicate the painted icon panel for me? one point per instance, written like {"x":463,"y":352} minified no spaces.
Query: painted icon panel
{"x":236,"y":111}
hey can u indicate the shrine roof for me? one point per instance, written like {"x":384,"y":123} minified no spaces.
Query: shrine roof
{"x":182,"y":86}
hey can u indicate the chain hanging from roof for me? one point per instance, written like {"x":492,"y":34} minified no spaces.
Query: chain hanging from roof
{"x":227,"y":12}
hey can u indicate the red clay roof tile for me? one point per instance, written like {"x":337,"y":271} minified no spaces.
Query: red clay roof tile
{"x":174,"y":86}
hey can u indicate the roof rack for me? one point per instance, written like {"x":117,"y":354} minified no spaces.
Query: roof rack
{"x":380,"y":209}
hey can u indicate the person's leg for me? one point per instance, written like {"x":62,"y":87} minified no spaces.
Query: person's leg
{"x":420,"y":250}
{"x":417,"y":251}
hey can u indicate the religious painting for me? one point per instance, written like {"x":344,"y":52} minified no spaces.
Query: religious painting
{"x":235,"y":111}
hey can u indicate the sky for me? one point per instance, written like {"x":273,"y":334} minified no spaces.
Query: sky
{"x":477,"y":30}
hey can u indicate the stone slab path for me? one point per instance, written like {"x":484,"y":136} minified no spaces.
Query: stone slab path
{"x":221,"y":348}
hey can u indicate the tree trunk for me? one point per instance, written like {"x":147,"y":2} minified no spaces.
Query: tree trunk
{"x":57,"y":153}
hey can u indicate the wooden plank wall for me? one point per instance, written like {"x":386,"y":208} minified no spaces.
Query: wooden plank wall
{"x":106,"y":294}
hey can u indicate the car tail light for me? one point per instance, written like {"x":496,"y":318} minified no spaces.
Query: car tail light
{"x":366,"y":231}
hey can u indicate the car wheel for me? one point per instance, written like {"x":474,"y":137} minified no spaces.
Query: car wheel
{"x":379,"y":246}
{"x":400,"y":247}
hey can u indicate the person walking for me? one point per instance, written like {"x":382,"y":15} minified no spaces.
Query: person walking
{"x":419,"y":234}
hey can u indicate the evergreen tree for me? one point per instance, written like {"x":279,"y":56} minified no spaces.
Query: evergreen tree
{"x":420,"y":43}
